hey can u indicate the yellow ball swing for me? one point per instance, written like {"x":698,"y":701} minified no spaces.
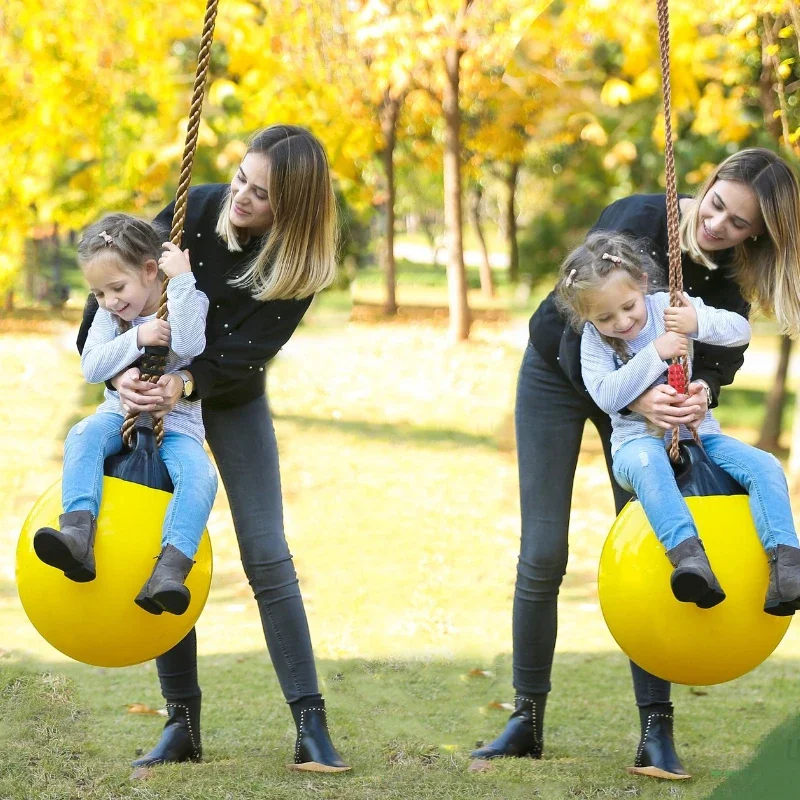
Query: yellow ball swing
{"x":97,"y":622}
{"x":676,"y":641}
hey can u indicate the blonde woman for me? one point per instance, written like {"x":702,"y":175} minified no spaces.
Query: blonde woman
{"x":260,"y":248}
{"x":740,"y":237}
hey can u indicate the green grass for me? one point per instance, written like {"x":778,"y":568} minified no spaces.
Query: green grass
{"x":401,"y":507}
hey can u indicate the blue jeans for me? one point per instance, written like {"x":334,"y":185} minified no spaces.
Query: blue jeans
{"x":642,"y":466}
{"x":95,"y":438}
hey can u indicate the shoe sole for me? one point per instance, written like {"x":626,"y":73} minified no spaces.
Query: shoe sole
{"x":313,"y":766}
{"x":53,"y":552}
{"x":171,"y":601}
{"x":689,"y":587}
{"x":655,"y":772}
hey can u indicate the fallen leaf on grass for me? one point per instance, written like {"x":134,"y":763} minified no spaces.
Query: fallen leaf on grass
{"x":496,"y":705}
{"x":141,"y":708}
{"x":141,"y":774}
{"x":698,"y":692}
{"x":477,"y":673}
{"x":480,"y":765}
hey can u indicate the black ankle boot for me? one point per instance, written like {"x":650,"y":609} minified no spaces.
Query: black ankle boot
{"x":180,"y":739}
{"x":164,"y":589}
{"x":783,"y":594}
{"x":522,"y":736}
{"x":693,"y":580}
{"x":656,"y":755}
{"x":314,"y":750}
{"x":71,"y":548}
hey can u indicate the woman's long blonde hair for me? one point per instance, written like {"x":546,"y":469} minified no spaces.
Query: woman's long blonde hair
{"x":768,"y":269}
{"x":298,"y":256}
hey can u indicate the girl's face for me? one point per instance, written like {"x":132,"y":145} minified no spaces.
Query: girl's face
{"x":123,"y":291}
{"x":729,"y":213}
{"x":618,"y":309}
{"x":250,"y":206}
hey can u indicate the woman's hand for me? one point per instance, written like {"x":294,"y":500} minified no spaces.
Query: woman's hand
{"x":136,"y":395}
{"x":170,"y":389}
{"x":665,"y":408}
{"x":697,"y":398}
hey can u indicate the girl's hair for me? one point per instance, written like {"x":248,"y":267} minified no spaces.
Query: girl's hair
{"x":135,"y":241}
{"x":585,"y":271}
{"x":767,"y":270}
{"x":297,"y":257}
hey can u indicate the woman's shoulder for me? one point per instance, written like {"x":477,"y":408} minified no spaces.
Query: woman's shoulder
{"x":642,"y":215}
{"x":206,"y":200}
{"x":202,"y":207}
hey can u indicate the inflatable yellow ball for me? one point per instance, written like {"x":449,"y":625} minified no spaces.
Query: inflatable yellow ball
{"x":97,"y":622}
{"x":680,"y":642}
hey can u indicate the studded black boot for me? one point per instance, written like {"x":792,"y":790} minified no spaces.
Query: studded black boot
{"x":164,"y":589}
{"x":656,"y":756}
{"x":522,"y":737}
{"x":314,"y":751}
{"x":783,"y":593}
{"x":693,"y":580}
{"x":70,"y":549}
{"x":180,"y":739}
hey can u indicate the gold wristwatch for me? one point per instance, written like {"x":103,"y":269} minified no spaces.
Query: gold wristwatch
{"x":188,"y":383}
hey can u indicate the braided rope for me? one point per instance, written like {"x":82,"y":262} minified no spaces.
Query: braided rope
{"x":154,"y":364}
{"x":679,"y":369}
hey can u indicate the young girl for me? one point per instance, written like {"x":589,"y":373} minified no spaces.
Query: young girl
{"x":120,"y":258}
{"x":628,"y":339}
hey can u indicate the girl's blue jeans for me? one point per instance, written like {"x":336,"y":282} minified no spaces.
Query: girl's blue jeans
{"x":642,"y":466}
{"x":95,"y":438}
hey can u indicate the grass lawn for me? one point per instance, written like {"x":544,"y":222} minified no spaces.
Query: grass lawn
{"x":402,"y":513}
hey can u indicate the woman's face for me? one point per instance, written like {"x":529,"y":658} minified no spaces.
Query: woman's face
{"x":250,"y":206}
{"x":729,"y":213}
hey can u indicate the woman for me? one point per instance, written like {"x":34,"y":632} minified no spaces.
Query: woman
{"x":260,"y":248}
{"x":740,"y":242}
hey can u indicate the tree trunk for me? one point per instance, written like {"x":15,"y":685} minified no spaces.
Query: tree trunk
{"x":456,"y":276}
{"x":776,"y":400}
{"x":485,"y":268}
{"x":389,"y":112}
{"x":510,"y":222}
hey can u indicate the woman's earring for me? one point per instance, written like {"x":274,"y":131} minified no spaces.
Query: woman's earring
{"x":755,"y":238}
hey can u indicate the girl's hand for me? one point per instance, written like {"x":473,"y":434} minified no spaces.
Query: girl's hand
{"x":136,"y":395}
{"x":672,"y":345}
{"x":155,"y":333}
{"x":169,"y":388}
{"x":174,"y":262}
{"x":667,"y":409}
{"x":681,"y":319}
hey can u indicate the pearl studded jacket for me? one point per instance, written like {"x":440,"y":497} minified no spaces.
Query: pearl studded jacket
{"x":644,"y":216}
{"x":242,"y":334}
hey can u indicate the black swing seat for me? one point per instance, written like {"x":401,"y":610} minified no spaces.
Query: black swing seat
{"x":140,"y":463}
{"x":698,"y":476}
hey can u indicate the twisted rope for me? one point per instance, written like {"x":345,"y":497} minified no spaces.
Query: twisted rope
{"x":154,"y":361}
{"x":678,"y":373}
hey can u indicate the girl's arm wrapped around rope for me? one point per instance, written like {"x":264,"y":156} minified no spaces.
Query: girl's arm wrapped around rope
{"x":106,"y":353}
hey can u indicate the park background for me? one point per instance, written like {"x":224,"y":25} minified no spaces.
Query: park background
{"x":472,"y":142}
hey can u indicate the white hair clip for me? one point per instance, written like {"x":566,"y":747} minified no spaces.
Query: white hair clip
{"x":609,"y":257}
{"x":106,"y":238}
{"x":570,"y":278}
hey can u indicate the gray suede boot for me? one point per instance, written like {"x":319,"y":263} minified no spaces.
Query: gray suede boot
{"x":70,"y":549}
{"x":693,"y":580}
{"x":783,"y":593}
{"x":165,"y":590}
